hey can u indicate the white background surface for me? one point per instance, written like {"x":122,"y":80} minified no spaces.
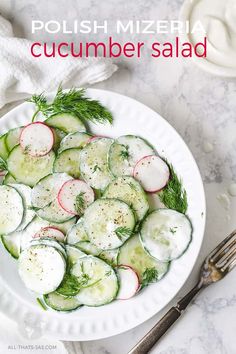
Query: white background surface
{"x":202,"y":109}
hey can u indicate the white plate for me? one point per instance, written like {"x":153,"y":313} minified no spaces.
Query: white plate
{"x":130,"y":117}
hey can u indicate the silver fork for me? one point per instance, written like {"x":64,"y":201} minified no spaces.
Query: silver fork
{"x":217,"y":264}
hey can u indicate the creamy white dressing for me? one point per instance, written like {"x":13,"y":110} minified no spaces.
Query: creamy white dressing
{"x":207,"y":147}
{"x":232,"y":190}
{"x":218,"y":18}
{"x":224,"y":201}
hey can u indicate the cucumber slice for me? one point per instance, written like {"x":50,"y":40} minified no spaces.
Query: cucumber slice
{"x":3,"y":167}
{"x":28,"y":169}
{"x":8,"y":179}
{"x":25,"y":192}
{"x":13,"y":138}
{"x":54,"y":213}
{"x":42,"y":268}
{"x":38,"y":224}
{"x":166,"y":234}
{"x":129,"y":191}
{"x":94,"y":165}
{"x":77,"y":233}
{"x":67,"y":122}
{"x":61,"y":303}
{"x":134,"y":255}
{"x":74,"y":140}
{"x":109,"y":223}
{"x":12,"y":243}
{"x":77,"y":236}
{"x":101,"y":285}
{"x":3,"y":148}
{"x":28,"y":233}
{"x":64,"y":226}
{"x":125,"y":152}
{"x":68,"y":161}
{"x":47,"y":189}
{"x":59,"y":135}
{"x":73,"y":254}
{"x":11,"y":209}
{"x":88,"y":248}
{"x":51,"y":243}
{"x":44,"y":198}
{"x":50,"y":232}
{"x":110,"y":257}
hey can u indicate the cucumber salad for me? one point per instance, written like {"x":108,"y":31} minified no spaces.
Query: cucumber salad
{"x":76,"y":209}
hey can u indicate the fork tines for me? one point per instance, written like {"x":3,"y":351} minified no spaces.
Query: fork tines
{"x":224,"y":255}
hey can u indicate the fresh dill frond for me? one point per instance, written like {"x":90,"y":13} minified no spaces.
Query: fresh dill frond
{"x":174,"y":196}
{"x":108,"y":273}
{"x":96,"y":168}
{"x":150,"y":275}
{"x":39,"y":100}
{"x":75,"y":102}
{"x":41,"y":103}
{"x":124,"y":154}
{"x":173,"y":230}
{"x":3,"y":164}
{"x":132,"y":186}
{"x":80,"y":203}
{"x":71,"y":285}
{"x":123,"y":232}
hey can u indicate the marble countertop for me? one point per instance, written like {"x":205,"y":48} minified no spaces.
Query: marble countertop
{"x":202,"y":109}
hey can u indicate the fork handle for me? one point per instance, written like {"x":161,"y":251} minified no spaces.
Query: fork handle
{"x":148,"y":341}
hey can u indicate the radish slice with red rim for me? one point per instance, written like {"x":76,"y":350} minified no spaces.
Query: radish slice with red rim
{"x":95,"y":137}
{"x":129,"y":282}
{"x":37,"y":139}
{"x":75,"y":196}
{"x":50,"y":232}
{"x":152,"y":172}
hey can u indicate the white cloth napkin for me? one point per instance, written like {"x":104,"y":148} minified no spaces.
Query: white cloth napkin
{"x":21,"y":74}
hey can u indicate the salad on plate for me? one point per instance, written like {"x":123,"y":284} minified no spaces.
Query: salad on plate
{"x":76,"y":209}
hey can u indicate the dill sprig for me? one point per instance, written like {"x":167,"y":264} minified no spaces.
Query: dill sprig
{"x":124,"y":154}
{"x":80,"y":203}
{"x":132,"y":186}
{"x":96,"y":168}
{"x":150,"y":275}
{"x":123,"y":232}
{"x":75,"y":102}
{"x":174,"y":196}
{"x":71,"y":285}
{"x":3,"y":164}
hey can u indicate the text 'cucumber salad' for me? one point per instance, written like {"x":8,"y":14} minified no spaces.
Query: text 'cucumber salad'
{"x":76,"y":210}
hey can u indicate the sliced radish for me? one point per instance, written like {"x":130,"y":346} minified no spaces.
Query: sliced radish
{"x":50,"y":232}
{"x":152,"y":172}
{"x":37,"y":139}
{"x":129,"y":282}
{"x":95,"y":137}
{"x":3,"y":173}
{"x":75,"y":196}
